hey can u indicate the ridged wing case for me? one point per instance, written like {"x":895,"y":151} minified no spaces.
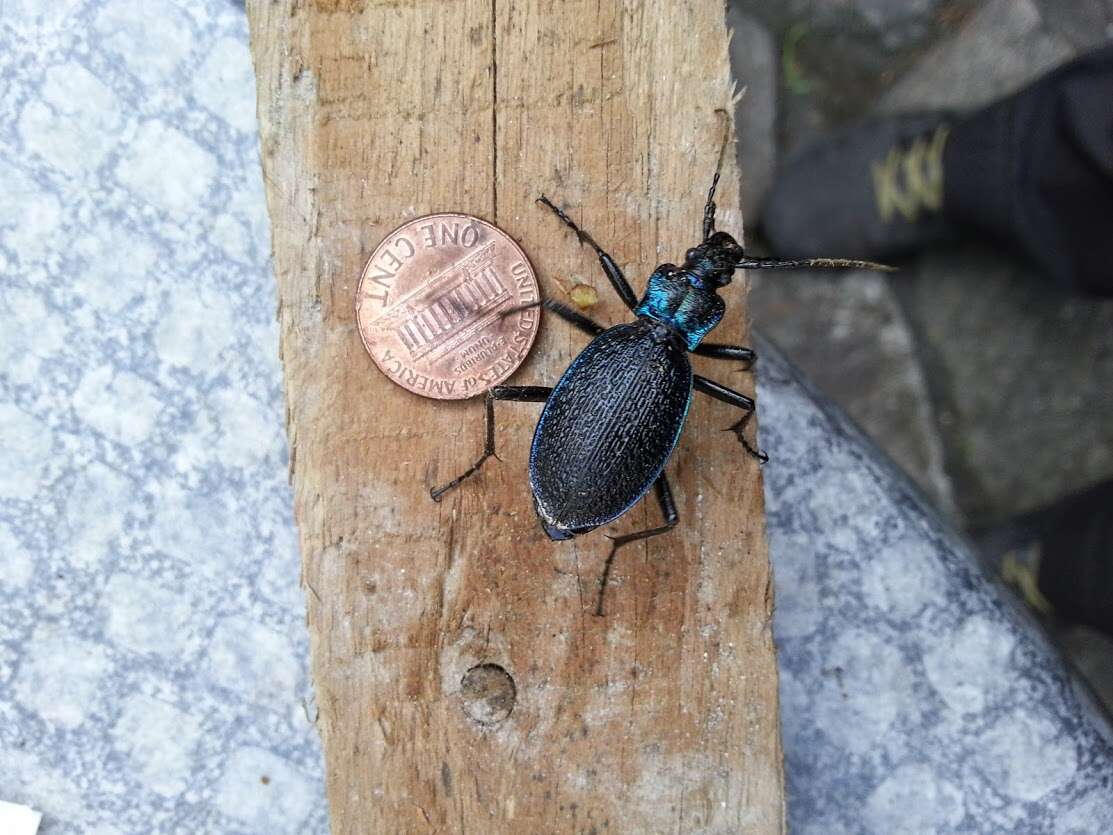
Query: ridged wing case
{"x":609,"y":427}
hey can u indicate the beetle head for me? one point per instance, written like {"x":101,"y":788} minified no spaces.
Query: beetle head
{"x":713,"y":262}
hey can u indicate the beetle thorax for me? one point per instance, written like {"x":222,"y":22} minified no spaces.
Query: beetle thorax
{"x":677,"y":299}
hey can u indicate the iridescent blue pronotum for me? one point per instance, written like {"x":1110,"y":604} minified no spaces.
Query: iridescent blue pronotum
{"x":612,"y":421}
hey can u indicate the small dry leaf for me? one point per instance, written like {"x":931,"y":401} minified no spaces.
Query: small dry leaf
{"x":584,"y":296}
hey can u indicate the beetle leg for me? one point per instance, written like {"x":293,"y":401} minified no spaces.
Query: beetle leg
{"x":588,"y":326}
{"x":575,"y":318}
{"x":739,"y":430}
{"x":734,"y":398}
{"x":719,"y":351}
{"x":519,"y":394}
{"x":612,"y":270}
{"x":668,"y":510}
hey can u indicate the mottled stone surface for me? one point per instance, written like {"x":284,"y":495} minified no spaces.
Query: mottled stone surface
{"x":915,"y":696}
{"x":152,"y":638}
{"x":152,"y":641}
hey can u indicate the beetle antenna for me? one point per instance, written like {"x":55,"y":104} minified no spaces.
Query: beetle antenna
{"x":709,"y":206}
{"x":810,"y":263}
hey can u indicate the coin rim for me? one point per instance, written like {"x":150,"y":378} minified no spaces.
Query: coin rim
{"x":363,"y":276}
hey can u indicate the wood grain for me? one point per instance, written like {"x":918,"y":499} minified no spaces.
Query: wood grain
{"x":661,"y":716}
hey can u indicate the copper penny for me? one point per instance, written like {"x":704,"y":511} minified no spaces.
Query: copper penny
{"x":431,"y":306}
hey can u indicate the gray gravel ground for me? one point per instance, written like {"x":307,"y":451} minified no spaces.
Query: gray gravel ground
{"x":989,"y":421}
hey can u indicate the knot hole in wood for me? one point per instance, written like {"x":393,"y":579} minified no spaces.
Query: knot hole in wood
{"x":488,"y":694}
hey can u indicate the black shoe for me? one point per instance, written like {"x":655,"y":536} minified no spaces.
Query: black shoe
{"x":874,"y":190}
{"x":1031,"y":173}
{"x":1061,"y":557}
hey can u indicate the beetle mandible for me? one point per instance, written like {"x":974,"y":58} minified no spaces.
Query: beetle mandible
{"x":612,"y":421}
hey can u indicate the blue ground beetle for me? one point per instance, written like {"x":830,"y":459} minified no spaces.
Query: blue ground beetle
{"x":612,"y":421}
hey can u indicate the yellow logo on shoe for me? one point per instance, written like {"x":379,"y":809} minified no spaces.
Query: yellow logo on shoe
{"x":1022,"y":570}
{"x":911,"y":180}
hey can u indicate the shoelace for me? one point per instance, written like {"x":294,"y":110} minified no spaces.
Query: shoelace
{"x":910,"y":179}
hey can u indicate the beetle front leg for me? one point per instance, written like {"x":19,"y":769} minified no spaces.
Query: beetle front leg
{"x":668,"y":510}
{"x":610,"y":267}
{"x":734,"y":398}
{"x":574,"y":318}
{"x":577,"y":319}
{"x":519,"y":394}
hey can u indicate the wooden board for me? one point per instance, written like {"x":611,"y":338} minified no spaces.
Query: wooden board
{"x":661,"y":716}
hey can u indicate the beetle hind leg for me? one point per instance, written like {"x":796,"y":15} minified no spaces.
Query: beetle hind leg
{"x":668,"y":509}
{"x":739,"y":430}
{"x":519,"y":394}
